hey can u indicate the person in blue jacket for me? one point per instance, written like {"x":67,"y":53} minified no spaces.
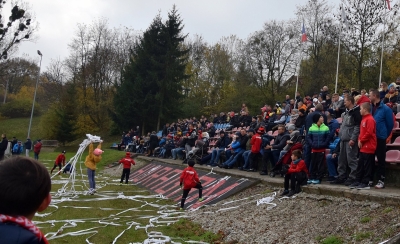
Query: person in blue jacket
{"x":383,"y":116}
{"x":17,"y":149}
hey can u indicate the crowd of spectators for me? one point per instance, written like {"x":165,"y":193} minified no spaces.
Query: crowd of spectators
{"x":322,"y":127}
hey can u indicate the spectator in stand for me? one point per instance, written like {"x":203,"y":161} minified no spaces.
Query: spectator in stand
{"x":364,"y":92}
{"x":245,"y":119}
{"x":215,"y":119}
{"x":255,"y":149}
{"x":298,"y":99}
{"x":294,"y":115}
{"x":301,"y":105}
{"x":337,"y":105}
{"x":153,"y":143}
{"x":383,"y":116}
{"x":272,"y":152}
{"x":3,"y":145}
{"x":383,"y":89}
{"x":332,"y":157}
{"x":190,"y":138}
{"x":287,"y":99}
{"x":28,"y":146}
{"x":253,"y":124}
{"x":294,"y":136}
{"x":328,"y":102}
{"x":211,"y":130}
{"x":297,"y":174}
{"x":309,"y":121}
{"x":222,"y":118}
{"x":318,"y":138}
{"x":239,"y":148}
{"x":390,"y":98}
{"x":281,"y":120}
{"x":220,"y":146}
{"x":333,"y":124}
{"x":286,"y":107}
{"x":324,"y":92}
{"x":260,"y":122}
{"x":367,"y":145}
{"x":301,"y":120}
{"x":179,"y":147}
{"x":246,"y":154}
{"x":349,"y":132}
{"x":36,"y":148}
{"x":244,"y":109}
{"x":201,"y":144}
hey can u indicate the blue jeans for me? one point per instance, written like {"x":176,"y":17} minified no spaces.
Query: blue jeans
{"x":246,"y":155}
{"x":281,"y":154}
{"x":332,"y":165}
{"x":91,"y":174}
{"x":234,"y":158}
{"x":215,"y":155}
{"x":176,"y":152}
{"x":307,"y":155}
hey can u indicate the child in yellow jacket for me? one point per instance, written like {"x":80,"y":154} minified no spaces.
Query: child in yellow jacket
{"x":91,"y":160}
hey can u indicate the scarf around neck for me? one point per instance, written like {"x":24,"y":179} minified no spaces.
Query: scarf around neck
{"x":26,"y":224}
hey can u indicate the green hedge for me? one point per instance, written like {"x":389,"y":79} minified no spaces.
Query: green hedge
{"x":19,"y":109}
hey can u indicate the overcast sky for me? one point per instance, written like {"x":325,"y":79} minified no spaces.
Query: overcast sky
{"x":212,"y":19}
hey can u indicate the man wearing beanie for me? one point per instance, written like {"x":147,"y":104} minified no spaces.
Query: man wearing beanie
{"x":348,"y":134}
{"x":318,"y":138}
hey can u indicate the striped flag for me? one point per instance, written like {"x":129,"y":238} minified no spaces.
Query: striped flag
{"x":303,"y":34}
{"x":388,"y":4}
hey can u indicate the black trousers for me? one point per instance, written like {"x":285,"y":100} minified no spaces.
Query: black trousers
{"x":186,"y":193}
{"x":365,"y":164}
{"x":317,"y":165}
{"x":298,"y":177}
{"x":125,"y":174}
{"x":252,"y":160}
{"x":55,"y":166}
{"x":380,"y":153}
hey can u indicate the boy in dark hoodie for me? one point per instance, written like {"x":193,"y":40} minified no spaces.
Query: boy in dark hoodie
{"x":24,"y":190}
{"x":127,"y":162}
{"x":297,"y":174}
{"x":188,"y":180}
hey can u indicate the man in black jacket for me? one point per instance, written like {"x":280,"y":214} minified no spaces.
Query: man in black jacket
{"x":3,"y":146}
{"x":271,"y":152}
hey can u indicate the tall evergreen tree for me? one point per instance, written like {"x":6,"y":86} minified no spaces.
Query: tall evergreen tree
{"x":151,"y":89}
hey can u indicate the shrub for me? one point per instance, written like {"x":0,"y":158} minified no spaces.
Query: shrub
{"x":19,"y":108}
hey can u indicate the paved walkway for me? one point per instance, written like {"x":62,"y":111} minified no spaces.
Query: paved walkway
{"x":388,"y":195}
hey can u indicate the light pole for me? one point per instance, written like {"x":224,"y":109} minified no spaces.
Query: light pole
{"x":34,"y":96}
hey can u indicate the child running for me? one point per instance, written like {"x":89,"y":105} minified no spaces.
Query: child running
{"x":127,"y":162}
{"x":367,"y":144}
{"x":60,"y":161}
{"x":24,"y":190}
{"x":297,"y":174}
{"x":190,"y":179}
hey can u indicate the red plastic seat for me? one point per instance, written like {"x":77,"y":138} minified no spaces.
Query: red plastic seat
{"x":396,"y":126}
{"x":393,"y":156}
{"x":398,"y":116}
{"x":395,"y":143}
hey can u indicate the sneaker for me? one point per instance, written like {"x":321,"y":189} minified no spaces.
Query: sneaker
{"x":285,"y":192}
{"x":348,"y":182}
{"x":354,"y":185}
{"x":251,"y":170}
{"x":291,"y":193}
{"x":380,"y":185}
{"x":309,"y":181}
{"x":363,"y":186}
{"x":338,"y":181}
{"x":263,"y":173}
{"x":201,"y":199}
{"x":316,"y":181}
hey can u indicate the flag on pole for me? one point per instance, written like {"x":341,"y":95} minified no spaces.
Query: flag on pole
{"x":388,"y":4}
{"x":303,"y":34}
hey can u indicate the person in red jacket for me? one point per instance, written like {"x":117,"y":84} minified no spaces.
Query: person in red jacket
{"x":367,"y":143}
{"x":36,"y":148}
{"x":255,"y":142}
{"x":60,"y":161}
{"x":127,"y":162}
{"x":297,"y":174}
{"x":189,"y":179}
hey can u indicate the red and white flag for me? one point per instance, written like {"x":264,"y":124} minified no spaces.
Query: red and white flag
{"x":388,"y":4}
{"x":303,"y":34}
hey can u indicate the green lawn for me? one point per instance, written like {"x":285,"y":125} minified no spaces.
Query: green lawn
{"x":19,"y":128}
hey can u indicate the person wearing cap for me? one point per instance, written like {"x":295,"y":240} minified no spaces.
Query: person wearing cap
{"x":318,"y":138}
{"x":93,"y":158}
{"x":17,"y":149}
{"x":36,"y":148}
{"x":127,"y":162}
{"x":390,"y":98}
{"x":60,"y":161}
{"x":220,"y":146}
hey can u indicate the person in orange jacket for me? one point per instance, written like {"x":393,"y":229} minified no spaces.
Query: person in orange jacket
{"x":60,"y":161}
{"x":297,"y":174}
{"x":127,"y":162}
{"x":190,"y":179}
{"x":93,"y":158}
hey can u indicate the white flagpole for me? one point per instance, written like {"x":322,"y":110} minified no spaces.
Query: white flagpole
{"x":337,"y":65}
{"x":383,"y":42}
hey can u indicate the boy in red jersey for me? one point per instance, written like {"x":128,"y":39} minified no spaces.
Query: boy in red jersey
{"x":367,"y":143}
{"x":297,"y":174}
{"x":190,"y":179}
{"x":255,"y":142}
{"x":60,"y":161}
{"x":127,"y":162}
